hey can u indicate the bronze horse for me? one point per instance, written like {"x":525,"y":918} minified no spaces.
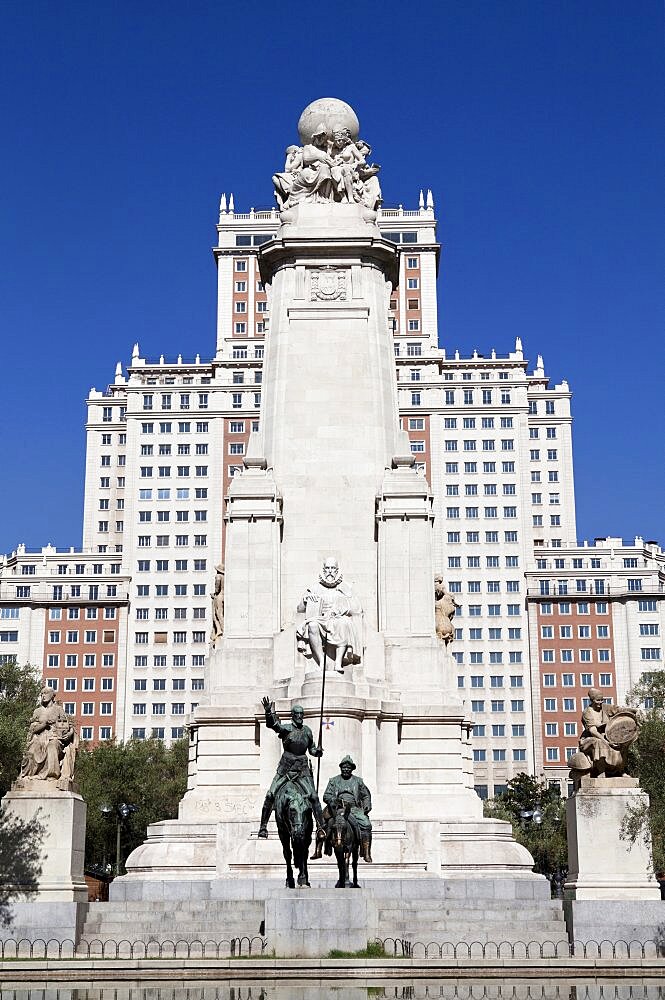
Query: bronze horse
{"x":346,"y":845}
{"x":293,"y":814}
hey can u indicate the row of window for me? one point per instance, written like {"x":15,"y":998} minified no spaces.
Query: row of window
{"x":496,"y":680}
{"x":240,"y":353}
{"x":166,"y":400}
{"x":162,"y":565}
{"x":164,"y":516}
{"x":89,"y":708}
{"x":80,"y":569}
{"x":178,"y":660}
{"x":583,"y":655}
{"x":162,"y":589}
{"x":488,"y":468}
{"x":473,"y":537}
{"x":87,"y":733}
{"x":184,"y":427}
{"x":493,"y":610}
{"x":161,"y":614}
{"x":580,"y":607}
{"x":181,"y":493}
{"x":181,"y":449}
{"x":142,"y":638}
{"x":586,"y":680}
{"x":164,"y":471}
{"x":473,"y":513}
{"x":72,"y":636}
{"x":583,"y":631}
{"x":159,"y":708}
{"x":164,"y":541}
{"x":493,"y":586}
{"x":473,"y":562}
{"x":498,"y":756}
{"x":493,"y":633}
{"x":73,"y":590}
{"x":56,"y":614}
{"x":489,"y":490}
{"x":494,"y":657}
{"x":87,"y":683}
{"x":497,"y":705}
{"x":487,"y":444}
{"x":567,"y":704}
{"x":87,"y":660}
{"x":499,"y":729}
{"x":552,"y":753}
{"x":157,"y":733}
{"x":178,"y":684}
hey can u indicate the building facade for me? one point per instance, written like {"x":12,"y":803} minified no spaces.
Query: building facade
{"x":66,"y":613}
{"x":596,"y":618}
{"x":490,"y":432}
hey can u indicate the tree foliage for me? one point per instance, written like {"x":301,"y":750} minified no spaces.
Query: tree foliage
{"x":143,"y":773}
{"x":647,"y":762}
{"x":20,"y":860}
{"x":546,"y":841}
{"x":19,"y":694}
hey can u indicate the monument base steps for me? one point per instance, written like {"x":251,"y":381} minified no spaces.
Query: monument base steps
{"x":308,"y":922}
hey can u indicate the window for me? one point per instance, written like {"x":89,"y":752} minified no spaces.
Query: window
{"x":646,"y":653}
{"x":498,"y":706}
{"x":552,"y":754}
{"x":477,"y":706}
{"x":517,"y":705}
{"x":550,"y":704}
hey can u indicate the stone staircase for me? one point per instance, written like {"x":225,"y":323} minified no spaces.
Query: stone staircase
{"x":439,"y":921}
{"x":160,"y":921}
{"x":423,"y":911}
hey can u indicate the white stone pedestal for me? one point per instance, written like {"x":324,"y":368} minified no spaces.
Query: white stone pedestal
{"x":611,"y":892}
{"x":600,"y":864}
{"x":311,"y":922}
{"x":54,"y":908}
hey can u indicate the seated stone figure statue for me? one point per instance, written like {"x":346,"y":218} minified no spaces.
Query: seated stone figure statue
{"x":52,"y":744}
{"x":608,"y":732}
{"x":333,"y":619}
{"x":349,"y":789}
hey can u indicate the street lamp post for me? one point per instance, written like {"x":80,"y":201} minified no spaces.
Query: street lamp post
{"x":122,"y":812}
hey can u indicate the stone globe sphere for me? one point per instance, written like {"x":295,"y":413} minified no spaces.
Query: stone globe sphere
{"x":330,"y":112}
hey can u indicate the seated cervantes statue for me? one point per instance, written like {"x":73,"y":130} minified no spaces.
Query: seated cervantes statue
{"x":445,"y":606}
{"x":333,"y":619}
{"x":608,"y":731}
{"x":52,"y":744}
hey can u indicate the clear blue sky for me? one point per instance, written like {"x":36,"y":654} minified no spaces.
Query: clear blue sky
{"x":538,"y":125}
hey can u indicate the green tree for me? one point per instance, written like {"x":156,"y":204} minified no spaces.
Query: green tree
{"x":143,"y":773}
{"x":20,"y":860}
{"x":646,"y":761}
{"x":19,"y":694}
{"x":545,"y":840}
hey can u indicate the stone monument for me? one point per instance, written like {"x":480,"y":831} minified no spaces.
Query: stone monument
{"x":46,"y":790}
{"x":611,"y":890}
{"x":313,"y":485}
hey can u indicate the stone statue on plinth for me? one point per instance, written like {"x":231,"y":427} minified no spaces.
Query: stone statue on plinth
{"x":445,"y":607}
{"x":293,"y":767}
{"x":50,"y":753}
{"x":218,"y":606}
{"x":333,"y":617}
{"x":608,"y":731}
{"x":331,"y":165}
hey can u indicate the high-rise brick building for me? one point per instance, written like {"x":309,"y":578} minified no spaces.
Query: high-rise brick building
{"x":490,"y":432}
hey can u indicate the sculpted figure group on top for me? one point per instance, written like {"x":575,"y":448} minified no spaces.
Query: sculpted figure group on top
{"x":331,"y":167}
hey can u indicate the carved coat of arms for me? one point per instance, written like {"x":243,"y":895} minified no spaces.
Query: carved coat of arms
{"x":328,"y":284}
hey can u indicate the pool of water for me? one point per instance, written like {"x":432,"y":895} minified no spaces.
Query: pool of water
{"x":450,"y":989}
